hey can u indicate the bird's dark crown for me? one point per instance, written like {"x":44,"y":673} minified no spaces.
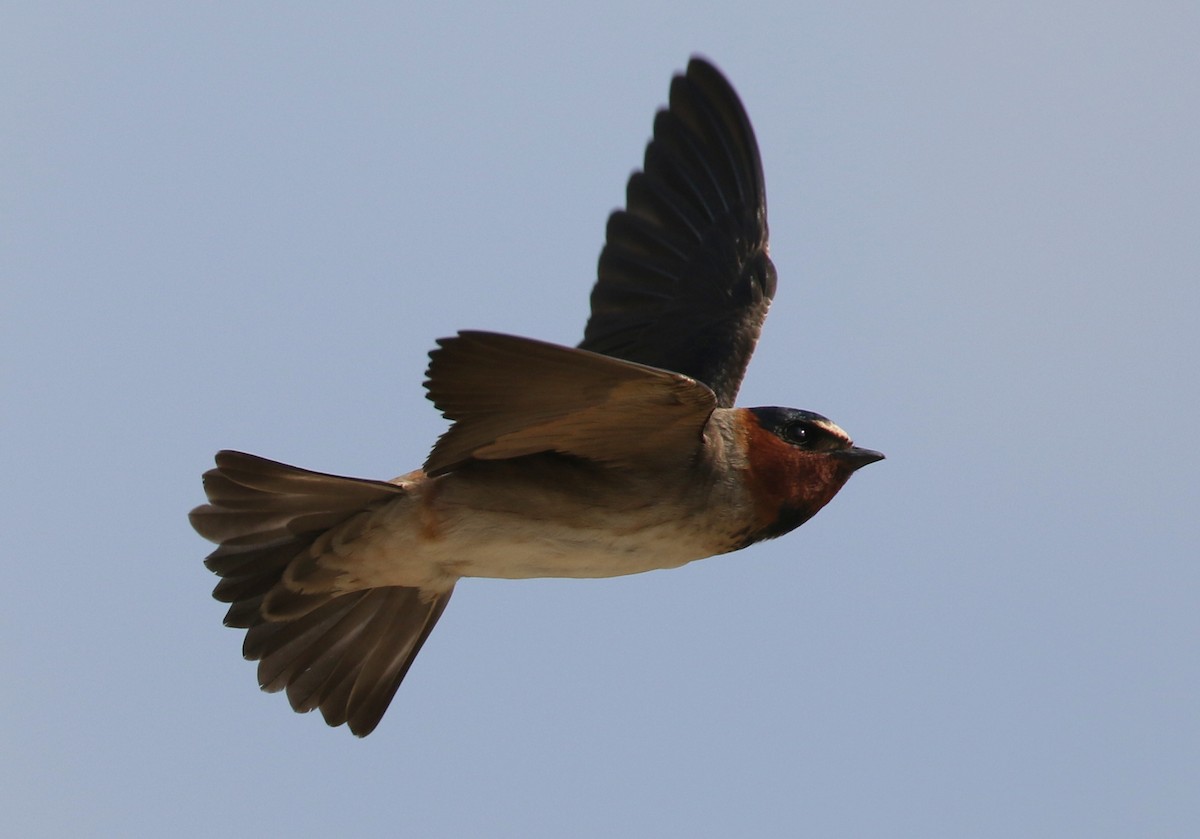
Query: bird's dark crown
{"x":803,"y":429}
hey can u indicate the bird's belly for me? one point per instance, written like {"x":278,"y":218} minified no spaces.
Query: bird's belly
{"x":510,"y":547}
{"x":517,"y":529}
{"x":406,"y":546}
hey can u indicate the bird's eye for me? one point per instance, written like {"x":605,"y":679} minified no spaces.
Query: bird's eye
{"x":799,"y":433}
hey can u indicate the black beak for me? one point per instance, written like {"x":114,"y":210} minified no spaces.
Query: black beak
{"x":858,"y":458}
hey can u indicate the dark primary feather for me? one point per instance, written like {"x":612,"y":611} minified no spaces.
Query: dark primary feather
{"x":345,"y":654}
{"x":684,"y":278}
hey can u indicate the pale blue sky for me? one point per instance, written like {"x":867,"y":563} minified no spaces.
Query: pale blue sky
{"x":244,"y":225}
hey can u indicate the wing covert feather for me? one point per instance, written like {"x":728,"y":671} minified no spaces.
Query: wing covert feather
{"x":511,"y":396}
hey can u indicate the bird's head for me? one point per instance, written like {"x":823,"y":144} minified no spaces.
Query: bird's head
{"x":796,"y":461}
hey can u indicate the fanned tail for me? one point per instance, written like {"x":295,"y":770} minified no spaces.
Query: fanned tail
{"x":345,"y":654}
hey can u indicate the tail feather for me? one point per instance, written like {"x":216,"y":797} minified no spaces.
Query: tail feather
{"x":249,"y":571}
{"x":345,"y":654}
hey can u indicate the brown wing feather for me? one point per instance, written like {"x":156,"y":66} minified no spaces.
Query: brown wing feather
{"x":511,"y":396}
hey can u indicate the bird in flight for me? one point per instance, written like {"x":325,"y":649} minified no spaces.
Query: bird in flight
{"x":622,"y":455}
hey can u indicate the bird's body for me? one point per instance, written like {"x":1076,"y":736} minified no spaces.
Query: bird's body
{"x":536,"y":517}
{"x":621,"y":456}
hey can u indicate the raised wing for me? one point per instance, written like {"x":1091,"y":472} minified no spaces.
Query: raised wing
{"x":684,"y":278}
{"x":511,"y":396}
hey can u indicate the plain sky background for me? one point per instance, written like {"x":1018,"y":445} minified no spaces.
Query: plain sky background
{"x":243,"y":225}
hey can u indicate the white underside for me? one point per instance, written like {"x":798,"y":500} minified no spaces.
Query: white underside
{"x":405,"y":544}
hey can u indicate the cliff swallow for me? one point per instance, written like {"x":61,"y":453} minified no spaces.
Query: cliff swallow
{"x":622,"y":455}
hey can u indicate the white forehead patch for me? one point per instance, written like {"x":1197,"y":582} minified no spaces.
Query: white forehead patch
{"x":833,"y":430}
